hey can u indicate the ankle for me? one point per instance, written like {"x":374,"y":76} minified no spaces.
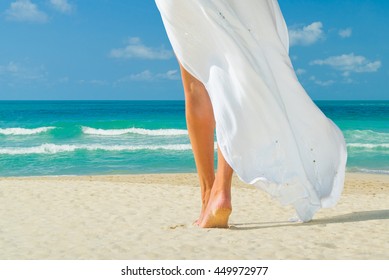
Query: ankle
{"x":205,"y":198}
{"x":221,"y":198}
{"x":222,"y":185}
{"x":224,"y":193}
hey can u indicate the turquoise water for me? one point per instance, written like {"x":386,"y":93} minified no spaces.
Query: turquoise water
{"x":124,"y":137}
{"x":365,"y":125}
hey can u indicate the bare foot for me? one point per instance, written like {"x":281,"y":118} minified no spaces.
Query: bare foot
{"x":205,"y":200}
{"x":218,"y":209}
{"x":217,"y":218}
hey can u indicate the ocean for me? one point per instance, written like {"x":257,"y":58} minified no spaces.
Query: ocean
{"x":131,"y":137}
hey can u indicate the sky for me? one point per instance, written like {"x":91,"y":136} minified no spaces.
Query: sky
{"x":118,"y":50}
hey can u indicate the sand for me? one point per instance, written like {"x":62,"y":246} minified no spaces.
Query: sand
{"x":150,"y":217}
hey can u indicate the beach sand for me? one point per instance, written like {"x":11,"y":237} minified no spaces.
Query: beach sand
{"x":150,"y":217}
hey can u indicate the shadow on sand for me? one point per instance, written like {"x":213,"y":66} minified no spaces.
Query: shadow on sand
{"x":347,"y":218}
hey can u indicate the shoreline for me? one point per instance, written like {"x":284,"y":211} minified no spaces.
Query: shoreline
{"x":156,"y":174}
{"x":149,"y":216}
{"x":188,"y":179}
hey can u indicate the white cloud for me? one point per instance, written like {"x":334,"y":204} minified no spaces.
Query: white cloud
{"x":306,"y":35}
{"x":63,"y":80}
{"x":348,"y":81}
{"x":301,"y":71}
{"x":10,"y":68}
{"x":135,"y":49}
{"x":25,"y":10}
{"x":62,"y":6}
{"x":17,"y":72}
{"x":143,"y":76}
{"x":147,"y":75}
{"x":321,"y":83}
{"x":94,"y":82}
{"x":169,"y":75}
{"x":345,"y":33}
{"x":348,"y":63}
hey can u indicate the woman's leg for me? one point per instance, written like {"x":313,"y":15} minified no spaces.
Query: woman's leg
{"x":219,"y":205}
{"x":201,"y":125}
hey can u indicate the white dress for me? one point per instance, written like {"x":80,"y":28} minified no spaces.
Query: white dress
{"x":267,"y":127}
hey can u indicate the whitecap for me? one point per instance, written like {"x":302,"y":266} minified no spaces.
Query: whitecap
{"x":54,"y":148}
{"x":141,"y":131}
{"x":368,"y":146}
{"x":366,"y":170}
{"x":24,"y":131}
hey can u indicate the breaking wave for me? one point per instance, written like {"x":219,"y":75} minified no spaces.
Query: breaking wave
{"x":142,"y":131}
{"x":54,"y":149}
{"x":24,"y":131}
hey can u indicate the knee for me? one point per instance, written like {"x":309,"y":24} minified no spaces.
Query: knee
{"x":193,"y":87}
{"x":194,"y":90}
{"x":199,"y":108}
{"x":197,"y":102}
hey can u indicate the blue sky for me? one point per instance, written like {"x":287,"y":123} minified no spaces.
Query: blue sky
{"x":114,"y":49}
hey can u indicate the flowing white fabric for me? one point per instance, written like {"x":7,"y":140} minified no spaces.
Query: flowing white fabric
{"x":268,"y":129}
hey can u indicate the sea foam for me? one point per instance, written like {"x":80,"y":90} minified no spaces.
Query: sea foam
{"x":54,"y":148}
{"x":142,"y":131}
{"x":24,"y":131}
{"x":375,"y":171}
{"x":368,"y":146}
{"x":366,"y":135}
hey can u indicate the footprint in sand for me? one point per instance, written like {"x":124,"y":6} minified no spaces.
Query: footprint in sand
{"x":177,"y":226}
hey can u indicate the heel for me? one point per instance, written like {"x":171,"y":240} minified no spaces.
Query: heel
{"x":218,"y":218}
